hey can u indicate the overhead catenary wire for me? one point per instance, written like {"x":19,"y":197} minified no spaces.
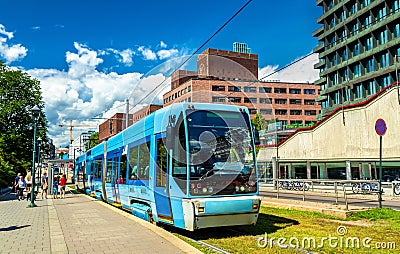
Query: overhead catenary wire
{"x":197,"y":50}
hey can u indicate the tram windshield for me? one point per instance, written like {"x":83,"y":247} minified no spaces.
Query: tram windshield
{"x":221,"y":157}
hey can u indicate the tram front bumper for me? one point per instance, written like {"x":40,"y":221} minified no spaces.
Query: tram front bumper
{"x":223,"y":211}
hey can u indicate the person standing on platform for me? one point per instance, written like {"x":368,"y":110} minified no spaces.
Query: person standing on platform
{"x":55,"y":187}
{"x":44,"y":185}
{"x":15,"y":186}
{"x":28,"y":180}
{"x":63,"y":182}
{"x":21,"y":188}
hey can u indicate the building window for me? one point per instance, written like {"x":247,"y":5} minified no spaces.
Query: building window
{"x":280,"y":112}
{"x":354,"y":29}
{"x":370,"y":65}
{"x":343,"y":16}
{"x":310,"y":112}
{"x":369,"y":43}
{"x":381,"y":14}
{"x":385,"y":60}
{"x":234,"y":89}
{"x":372,"y":87}
{"x":309,"y":91}
{"x":267,"y":111}
{"x":356,"y":49}
{"x":357,"y":70}
{"x":309,"y":102}
{"x":265,"y":89}
{"x":252,"y":111}
{"x":366,"y":3}
{"x":367,"y":22}
{"x":280,"y":101}
{"x":396,"y":6}
{"x":294,"y":91}
{"x":353,"y":9}
{"x":344,"y":54}
{"x":265,"y":101}
{"x":279,"y":90}
{"x":295,"y":101}
{"x":218,"y":88}
{"x":383,"y":37}
{"x":235,"y":99}
{"x":396,"y":31}
{"x":250,"y":100}
{"x":295,"y":112}
{"x":386,"y":81}
{"x":218,"y":99}
{"x":359,"y":91}
{"x":250,"y":89}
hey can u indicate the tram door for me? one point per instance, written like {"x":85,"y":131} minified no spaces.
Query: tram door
{"x":114,"y":181}
{"x":161,"y":193}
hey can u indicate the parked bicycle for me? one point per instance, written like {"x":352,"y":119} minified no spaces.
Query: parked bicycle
{"x":297,"y":185}
{"x":365,"y":188}
{"x":396,"y":188}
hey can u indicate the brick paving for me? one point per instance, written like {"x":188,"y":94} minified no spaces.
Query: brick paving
{"x":79,"y":224}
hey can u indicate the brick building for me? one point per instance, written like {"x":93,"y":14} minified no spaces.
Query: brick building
{"x":232,"y":77}
{"x":116,"y":123}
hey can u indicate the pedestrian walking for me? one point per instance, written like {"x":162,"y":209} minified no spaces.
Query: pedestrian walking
{"x":21,"y":188}
{"x":44,"y":185}
{"x":55,"y":187}
{"x":28,"y":180}
{"x":63,"y":182}
{"x":15,"y":186}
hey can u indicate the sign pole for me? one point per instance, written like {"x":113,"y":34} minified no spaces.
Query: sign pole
{"x":380,"y":128}
{"x":380,"y":172}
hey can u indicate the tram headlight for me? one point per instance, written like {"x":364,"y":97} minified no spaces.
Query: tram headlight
{"x":242,"y":188}
{"x":204,"y":190}
{"x":210,"y":189}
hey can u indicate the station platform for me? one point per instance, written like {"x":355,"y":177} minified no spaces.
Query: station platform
{"x":79,"y":224}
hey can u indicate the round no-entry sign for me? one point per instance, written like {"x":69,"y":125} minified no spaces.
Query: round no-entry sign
{"x":380,"y":127}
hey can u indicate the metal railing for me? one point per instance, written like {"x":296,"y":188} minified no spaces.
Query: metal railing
{"x":350,"y":191}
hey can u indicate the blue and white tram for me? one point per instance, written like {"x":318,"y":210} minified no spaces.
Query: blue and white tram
{"x":190,"y":165}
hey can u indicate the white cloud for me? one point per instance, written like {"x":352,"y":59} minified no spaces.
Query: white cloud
{"x":125,"y":56}
{"x":9,"y":52}
{"x":301,"y":71}
{"x":167,"y":53}
{"x":162,"y":44}
{"x":4,"y":32}
{"x":147,"y":53}
{"x":82,"y":63}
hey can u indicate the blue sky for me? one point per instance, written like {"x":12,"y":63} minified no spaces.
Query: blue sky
{"x":94,"y":53}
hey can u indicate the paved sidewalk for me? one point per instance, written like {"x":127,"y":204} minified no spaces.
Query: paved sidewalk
{"x":79,"y":224}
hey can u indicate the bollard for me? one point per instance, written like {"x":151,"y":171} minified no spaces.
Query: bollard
{"x":304,"y":192}
{"x":336,"y":192}
{"x":345,"y":197}
{"x":277,"y":189}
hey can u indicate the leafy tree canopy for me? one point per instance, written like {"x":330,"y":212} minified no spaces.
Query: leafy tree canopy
{"x":19,"y":93}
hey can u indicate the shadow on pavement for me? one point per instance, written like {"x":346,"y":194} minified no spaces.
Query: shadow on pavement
{"x":10,"y":228}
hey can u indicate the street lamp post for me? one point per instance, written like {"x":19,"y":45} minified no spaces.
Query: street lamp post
{"x":35,"y":115}
{"x":39,"y":143}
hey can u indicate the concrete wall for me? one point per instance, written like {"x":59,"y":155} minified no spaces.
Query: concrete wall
{"x":352,"y":139}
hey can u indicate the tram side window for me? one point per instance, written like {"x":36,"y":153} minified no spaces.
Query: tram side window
{"x":97,"y":168}
{"x":144,"y":161}
{"x":123,"y":166}
{"x":161,"y":175}
{"x":108,"y":172}
{"x":133,"y":162}
{"x":179,"y":153}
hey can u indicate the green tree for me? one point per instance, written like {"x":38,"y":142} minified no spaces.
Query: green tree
{"x":259,"y":122}
{"x":93,"y":141}
{"x":18,"y":94}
